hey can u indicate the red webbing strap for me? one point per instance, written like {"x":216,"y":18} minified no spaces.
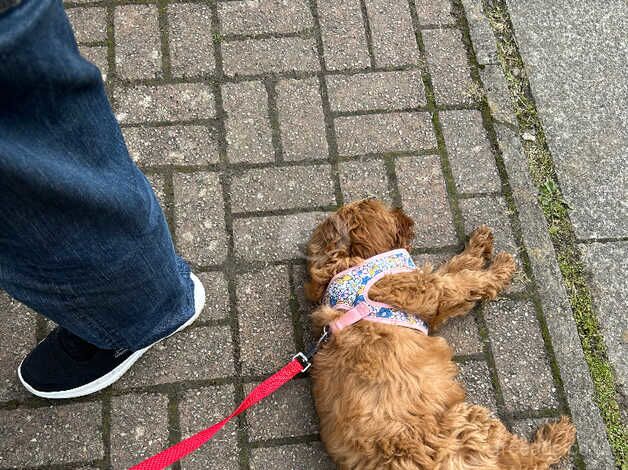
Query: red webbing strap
{"x":190,"y":444}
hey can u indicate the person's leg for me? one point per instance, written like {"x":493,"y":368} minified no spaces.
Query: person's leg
{"x":83,"y":240}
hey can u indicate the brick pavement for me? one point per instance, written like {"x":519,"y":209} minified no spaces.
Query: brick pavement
{"x":253,"y":119}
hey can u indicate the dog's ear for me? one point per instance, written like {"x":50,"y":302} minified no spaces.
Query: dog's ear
{"x":328,"y":254}
{"x":405,"y":228}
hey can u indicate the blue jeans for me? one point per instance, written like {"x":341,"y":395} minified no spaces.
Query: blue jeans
{"x":83,"y":240}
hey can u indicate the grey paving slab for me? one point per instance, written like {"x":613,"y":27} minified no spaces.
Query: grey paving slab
{"x":481,"y":33}
{"x":379,"y":90}
{"x":138,"y":51}
{"x":17,"y":339}
{"x":497,"y":94}
{"x":274,"y":238}
{"x":522,"y":363}
{"x":282,"y":188}
{"x":217,"y":306}
{"x":462,"y":334}
{"x":197,"y":410}
{"x":294,"y":456}
{"x":139,"y":427}
{"x":478,"y":384}
{"x":247,"y":124}
{"x":50,"y":435}
{"x":434,"y":12}
{"x":424,"y":198}
{"x":198,"y":353}
{"x":170,"y":102}
{"x":575,"y":54}
{"x":191,"y":39}
{"x":380,"y":133}
{"x":97,"y":55}
{"x":171,"y":145}
{"x":448,"y":66}
{"x":301,"y":120}
{"x":264,"y":16}
{"x":343,"y":34}
{"x":89,"y":24}
{"x":607,"y":265}
{"x":400,"y":47}
{"x":469,"y":150}
{"x":364,"y":178}
{"x":277,"y":416}
{"x":199,"y":212}
{"x":265,"y":320}
{"x":251,"y":57}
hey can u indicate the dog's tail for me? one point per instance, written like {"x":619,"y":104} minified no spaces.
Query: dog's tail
{"x":553,"y":441}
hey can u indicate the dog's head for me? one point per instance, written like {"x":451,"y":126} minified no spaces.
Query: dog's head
{"x":353,"y":233}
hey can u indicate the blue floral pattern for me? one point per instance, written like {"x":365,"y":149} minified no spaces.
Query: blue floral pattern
{"x":350,"y":288}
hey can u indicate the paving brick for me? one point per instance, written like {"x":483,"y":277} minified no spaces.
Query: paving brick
{"x":522,"y":364}
{"x":448,"y":66}
{"x":424,"y":198}
{"x":249,"y":138}
{"x":138,"y":47}
{"x":89,"y":24}
{"x":17,"y":339}
{"x":264,"y":16}
{"x":97,"y":55}
{"x":274,"y":238}
{"x":497,"y":94}
{"x":527,"y":428}
{"x":307,"y":455}
{"x":209,"y":405}
{"x":147,"y":103}
{"x":380,"y":90}
{"x":477,"y":381}
{"x":191,"y":39}
{"x":462,"y":334}
{"x":481,"y":33}
{"x":435,"y":259}
{"x":432,"y":12}
{"x":277,"y":416}
{"x":364,"y":178}
{"x":472,"y":161}
{"x":380,"y":133}
{"x":266,"y":338}
{"x":158,"y":184}
{"x":301,"y":119}
{"x":199,"y":215}
{"x":272,"y":55}
{"x":197,"y":353}
{"x":343,"y":34}
{"x":305,"y":307}
{"x":492,"y":211}
{"x":139,"y":427}
{"x":282,"y":188}
{"x":171,"y":145}
{"x":50,"y":435}
{"x":394,"y":41}
{"x":217,"y":304}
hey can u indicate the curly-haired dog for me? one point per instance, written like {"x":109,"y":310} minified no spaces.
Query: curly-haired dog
{"x":387,"y":395}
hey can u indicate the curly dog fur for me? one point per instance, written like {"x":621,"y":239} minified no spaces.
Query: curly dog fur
{"x":387,"y":396}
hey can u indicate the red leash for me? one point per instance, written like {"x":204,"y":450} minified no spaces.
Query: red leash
{"x":300,"y":363}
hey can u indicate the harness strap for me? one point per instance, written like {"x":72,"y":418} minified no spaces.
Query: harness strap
{"x":350,"y":317}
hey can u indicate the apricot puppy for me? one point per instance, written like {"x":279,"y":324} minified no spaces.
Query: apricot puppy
{"x":386,"y":392}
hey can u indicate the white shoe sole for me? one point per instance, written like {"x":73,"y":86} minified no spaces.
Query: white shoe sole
{"x":115,"y":374}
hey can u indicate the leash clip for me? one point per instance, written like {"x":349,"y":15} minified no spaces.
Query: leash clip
{"x":303,"y":360}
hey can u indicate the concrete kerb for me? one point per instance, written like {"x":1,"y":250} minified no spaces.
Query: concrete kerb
{"x":550,"y":293}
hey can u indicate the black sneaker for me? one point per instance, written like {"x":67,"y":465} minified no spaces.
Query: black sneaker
{"x":65,"y":366}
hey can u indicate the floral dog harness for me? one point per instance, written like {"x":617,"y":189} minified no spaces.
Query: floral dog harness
{"x":349,"y":289}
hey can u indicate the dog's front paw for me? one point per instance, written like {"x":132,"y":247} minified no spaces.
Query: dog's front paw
{"x":481,"y":242}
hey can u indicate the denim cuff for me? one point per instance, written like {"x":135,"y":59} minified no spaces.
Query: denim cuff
{"x":7,"y":4}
